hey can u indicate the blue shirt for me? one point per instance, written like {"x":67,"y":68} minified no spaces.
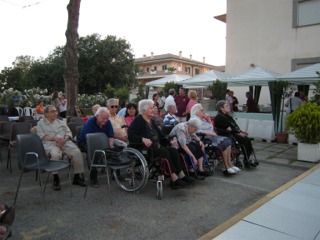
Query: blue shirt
{"x":122,"y":112}
{"x":91,"y":126}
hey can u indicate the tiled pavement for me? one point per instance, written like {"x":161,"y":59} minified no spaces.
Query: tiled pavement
{"x":290,"y":212}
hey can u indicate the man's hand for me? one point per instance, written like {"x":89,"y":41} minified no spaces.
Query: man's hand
{"x":60,"y":142}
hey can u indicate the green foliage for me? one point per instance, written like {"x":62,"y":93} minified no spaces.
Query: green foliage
{"x":304,"y":123}
{"x":168,"y":86}
{"x":171,"y":69}
{"x":11,"y":97}
{"x":280,"y":90}
{"x":87,"y":101}
{"x":140,"y":94}
{"x":122,"y":94}
{"x":109,"y":91}
{"x":218,"y":90}
{"x":316,"y":92}
{"x":101,"y":61}
{"x":104,"y":61}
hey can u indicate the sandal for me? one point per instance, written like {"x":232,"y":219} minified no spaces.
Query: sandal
{"x":6,"y":219}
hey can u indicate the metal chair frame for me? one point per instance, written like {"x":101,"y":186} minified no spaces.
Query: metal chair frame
{"x":32,"y":157}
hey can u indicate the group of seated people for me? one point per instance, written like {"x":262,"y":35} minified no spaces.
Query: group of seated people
{"x":139,"y":127}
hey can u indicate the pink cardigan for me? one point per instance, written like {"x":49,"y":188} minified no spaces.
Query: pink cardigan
{"x":190,"y":105}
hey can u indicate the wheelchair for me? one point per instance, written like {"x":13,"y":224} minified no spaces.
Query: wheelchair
{"x":238,"y":150}
{"x":158,"y":168}
{"x":139,"y":170}
{"x":131,"y":176}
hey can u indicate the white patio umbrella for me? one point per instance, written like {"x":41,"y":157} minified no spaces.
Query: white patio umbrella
{"x":303,"y":76}
{"x":205,"y":79}
{"x":176,"y":78}
{"x":253,"y":77}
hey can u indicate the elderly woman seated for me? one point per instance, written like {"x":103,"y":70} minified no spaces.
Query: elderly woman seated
{"x":190,"y":143}
{"x":143,"y":130}
{"x":227,"y":126}
{"x":223,"y":143}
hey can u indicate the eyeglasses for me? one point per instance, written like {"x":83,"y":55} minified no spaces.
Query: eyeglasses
{"x":114,"y":106}
{"x":53,"y":111}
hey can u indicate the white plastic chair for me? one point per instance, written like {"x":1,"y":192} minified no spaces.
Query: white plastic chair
{"x":28,"y":111}
{"x":20,"y":111}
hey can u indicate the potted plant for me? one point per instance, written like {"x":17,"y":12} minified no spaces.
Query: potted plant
{"x":281,"y":90}
{"x":304,"y":123}
{"x":172,"y":69}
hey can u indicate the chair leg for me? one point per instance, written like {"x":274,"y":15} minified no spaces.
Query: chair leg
{"x":15,"y":198}
{"x":9,"y":159}
{"x":85,"y":191}
{"x":45,"y":185}
{"x":109,"y":187}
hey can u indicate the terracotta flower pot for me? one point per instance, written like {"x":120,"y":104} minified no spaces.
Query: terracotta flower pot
{"x":281,"y":137}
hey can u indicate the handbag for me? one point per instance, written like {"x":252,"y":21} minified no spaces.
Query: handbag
{"x":116,"y":156}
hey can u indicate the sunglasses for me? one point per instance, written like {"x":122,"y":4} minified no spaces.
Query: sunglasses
{"x":114,"y":106}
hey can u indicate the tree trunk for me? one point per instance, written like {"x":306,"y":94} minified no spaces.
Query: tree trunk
{"x":71,"y":72}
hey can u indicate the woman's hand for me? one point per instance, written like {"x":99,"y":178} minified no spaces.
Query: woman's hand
{"x":241,"y":134}
{"x":147,"y":142}
{"x":195,"y":161}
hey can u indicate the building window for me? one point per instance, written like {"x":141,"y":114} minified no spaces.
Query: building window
{"x":303,"y":62}
{"x":155,"y":68}
{"x":164,"y":67}
{"x":148,"y":69}
{"x":197,"y":71}
{"x":188,"y":70}
{"x":306,"y":12}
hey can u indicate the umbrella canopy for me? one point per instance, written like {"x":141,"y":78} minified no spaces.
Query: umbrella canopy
{"x":254,"y":77}
{"x":306,"y":75}
{"x":176,"y":78}
{"x":205,"y":79}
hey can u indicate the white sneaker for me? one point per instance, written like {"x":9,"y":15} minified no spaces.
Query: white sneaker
{"x":231,"y":171}
{"x":236,"y":168}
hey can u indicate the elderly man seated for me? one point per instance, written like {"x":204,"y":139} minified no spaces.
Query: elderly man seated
{"x":170,"y":118}
{"x":56,"y":138}
{"x":120,"y":133}
{"x":99,"y":123}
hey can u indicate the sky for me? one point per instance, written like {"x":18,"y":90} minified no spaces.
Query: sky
{"x":36,"y":27}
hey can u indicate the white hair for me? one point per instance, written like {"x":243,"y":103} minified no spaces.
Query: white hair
{"x":195,"y":109}
{"x":144,"y":104}
{"x":195,"y":122}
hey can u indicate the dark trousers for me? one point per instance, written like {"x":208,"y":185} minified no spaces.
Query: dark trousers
{"x":172,"y":155}
{"x":246,"y":142}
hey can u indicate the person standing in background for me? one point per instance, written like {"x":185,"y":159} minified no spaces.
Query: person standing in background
{"x":123,"y":109}
{"x":251,"y":104}
{"x":155,"y":98}
{"x":182,"y":101}
{"x":229,"y":100}
{"x":293,"y":102}
{"x":170,"y":99}
{"x":193,"y":100}
{"x":63,"y":106}
{"x":235,"y":102}
{"x":55,"y":100}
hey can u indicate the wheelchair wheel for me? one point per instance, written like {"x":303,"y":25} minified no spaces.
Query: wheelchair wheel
{"x":135,"y":177}
{"x":159,"y":190}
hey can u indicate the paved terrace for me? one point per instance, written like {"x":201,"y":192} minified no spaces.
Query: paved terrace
{"x":189,"y":213}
